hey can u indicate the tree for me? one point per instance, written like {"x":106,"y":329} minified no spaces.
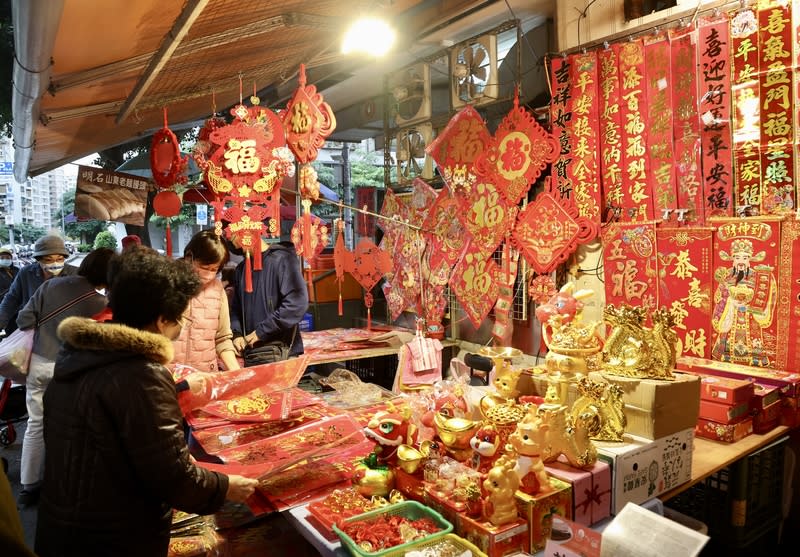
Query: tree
{"x":85,"y":231}
{"x":105,"y":240}
{"x":23,"y":233}
{"x":366,"y":169}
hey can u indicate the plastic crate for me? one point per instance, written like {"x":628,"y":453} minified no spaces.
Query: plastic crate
{"x":456,"y":545}
{"x":741,"y":503}
{"x":379,"y":369}
{"x":407,"y":509}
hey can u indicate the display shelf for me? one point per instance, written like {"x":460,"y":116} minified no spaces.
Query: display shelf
{"x":710,"y":456}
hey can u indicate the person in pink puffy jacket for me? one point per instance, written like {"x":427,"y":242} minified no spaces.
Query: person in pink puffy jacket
{"x":205,"y":339}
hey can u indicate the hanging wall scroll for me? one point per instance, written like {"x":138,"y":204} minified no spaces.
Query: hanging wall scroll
{"x":612,"y":160}
{"x":474,"y":282}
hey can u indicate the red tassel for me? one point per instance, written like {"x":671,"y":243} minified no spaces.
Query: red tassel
{"x":307,"y":250}
{"x":341,"y":312}
{"x":310,"y":280}
{"x":257,"y":265}
{"x":168,"y":241}
{"x":248,"y":273}
{"x":369,"y":319}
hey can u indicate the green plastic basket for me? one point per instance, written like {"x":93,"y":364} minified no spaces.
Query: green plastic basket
{"x":449,"y":541}
{"x":407,"y":509}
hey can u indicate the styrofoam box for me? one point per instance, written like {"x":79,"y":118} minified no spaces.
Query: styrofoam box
{"x":642,"y":469}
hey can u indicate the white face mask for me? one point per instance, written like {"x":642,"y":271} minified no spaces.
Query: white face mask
{"x":5,"y":262}
{"x":54,"y":268}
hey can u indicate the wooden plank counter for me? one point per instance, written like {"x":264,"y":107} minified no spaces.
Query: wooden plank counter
{"x":710,"y":456}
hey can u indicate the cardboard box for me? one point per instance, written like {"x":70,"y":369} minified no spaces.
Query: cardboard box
{"x":591,"y":489}
{"x":727,"y":433}
{"x":725,"y":390}
{"x":495,"y":541}
{"x":763,"y":396}
{"x":790,"y":411}
{"x":788,"y":383}
{"x":767,"y":418}
{"x":448,"y":509}
{"x":642,"y":469}
{"x":655,"y":409}
{"x":723,"y":413}
{"x":538,"y":511}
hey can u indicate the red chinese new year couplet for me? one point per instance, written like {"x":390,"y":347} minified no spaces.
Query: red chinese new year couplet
{"x":474,"y":282}
{"x":714,"y":82}
{"x":685,"y":284}
{"x":746,"y":255}
{"x":630,"y":264}
{"x":788,"y":306}
{"x":547,"y":233}
{"x":560,"y":118}
{"x":612,"y":160}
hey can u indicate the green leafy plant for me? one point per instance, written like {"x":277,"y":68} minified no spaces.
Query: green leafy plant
{"x":105,"y":240}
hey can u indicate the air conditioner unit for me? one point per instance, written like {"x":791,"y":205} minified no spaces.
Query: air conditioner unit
{"x":473,"y":71}
{"x":410,"y":92}
{"x":412,"y":161}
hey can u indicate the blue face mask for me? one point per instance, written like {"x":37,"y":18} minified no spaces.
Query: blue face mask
{"x":5,"y":263}
{"x":54,"y":268}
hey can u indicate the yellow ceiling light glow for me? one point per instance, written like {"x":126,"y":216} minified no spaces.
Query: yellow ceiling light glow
{"x":371,"y":36}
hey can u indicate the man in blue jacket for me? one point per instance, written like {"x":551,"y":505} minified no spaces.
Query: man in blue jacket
{"x":265,"y":322}
{"x":50,"y":254}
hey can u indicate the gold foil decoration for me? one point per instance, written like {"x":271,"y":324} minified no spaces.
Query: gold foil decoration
{"x":600,"y":409}
{"x":633,"y":350}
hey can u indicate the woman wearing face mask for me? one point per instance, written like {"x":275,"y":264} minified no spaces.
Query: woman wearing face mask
{"x":55,"y":300}
{"x":116,"y":461}
{"x":50,"y":254}
{"x":206,"y":337}
{"x":7,"y":271}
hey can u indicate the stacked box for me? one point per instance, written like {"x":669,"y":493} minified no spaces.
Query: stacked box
{"x":790,"y":411}
{"x":727,"y":433}
{"x":410,"y":485}
{"x":654,"y":408}
{"x":591,"y":489}
{"x":495,"y":541}
{"x":723,"y":413}
{"x":642,"y":469}
{"x":725,"y":390}
{"x":538,"y":511}
{"x":763,"y":396}
{"x":767,"y":418}
{"x":788,"y":383}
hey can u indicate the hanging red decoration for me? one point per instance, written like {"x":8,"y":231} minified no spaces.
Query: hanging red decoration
{"x":339,"y":257}
{"x":308,"y":120}
{"x":166,"y":163}
{"x":474,"y":282}
{"x":547,"y":232}
{"x":368,"y":263}
{"x":446,"y":236}
{"x":457,"y":147}
{"x":247,"y":226}
{"x":487,"y":216}
{"x":167,"y":204}
{"x":541,"y":288}
{"x":310,"y":244}
{"x":517,"y":154}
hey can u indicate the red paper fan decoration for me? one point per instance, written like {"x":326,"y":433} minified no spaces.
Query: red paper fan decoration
{"x":547,"y":233}
{"x":308,"y":120}
{"x":517,"y":154}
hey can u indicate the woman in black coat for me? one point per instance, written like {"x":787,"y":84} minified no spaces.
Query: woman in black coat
{"x":116,"y":459}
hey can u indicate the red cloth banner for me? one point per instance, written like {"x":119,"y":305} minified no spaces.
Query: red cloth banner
{"x":684,"y":265}
{"x":686,"y":127}
{"x":637,"y":197}
{"x":610,"y":133}
{"x":585,"y":171}
{"x":659,"y":95}
{"x":746,"y":113}
{"x":777,"y":108}
{"x":744,"y":328}
{"x":560,"y":119}
{"x":788,"y":307}
{"x":714,"y":93}
{"x":365,"y":224}
{"x":630,"y":264}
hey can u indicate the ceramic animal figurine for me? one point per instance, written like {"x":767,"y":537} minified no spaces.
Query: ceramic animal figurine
{"x":500,"y":484}
{"x":528,"y":443}
{"x":486,"y":444}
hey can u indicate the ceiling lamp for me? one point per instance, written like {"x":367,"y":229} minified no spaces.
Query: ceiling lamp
{"x":369,"y":36}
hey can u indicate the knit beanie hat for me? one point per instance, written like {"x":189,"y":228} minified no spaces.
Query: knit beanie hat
{"x":49,"y":245}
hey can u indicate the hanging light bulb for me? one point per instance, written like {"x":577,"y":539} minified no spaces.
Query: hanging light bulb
{"x":370,"y":36}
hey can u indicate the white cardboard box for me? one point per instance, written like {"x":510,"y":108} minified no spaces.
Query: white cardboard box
{"x":642,"y":469}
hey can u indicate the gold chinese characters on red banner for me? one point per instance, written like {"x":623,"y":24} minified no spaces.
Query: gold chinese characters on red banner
{"x":630,"y":264}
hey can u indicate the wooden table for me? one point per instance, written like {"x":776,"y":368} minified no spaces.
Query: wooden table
{"x":710,"y":456}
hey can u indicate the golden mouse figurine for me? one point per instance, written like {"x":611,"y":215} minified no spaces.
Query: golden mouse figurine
{"x":500,"y":484}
